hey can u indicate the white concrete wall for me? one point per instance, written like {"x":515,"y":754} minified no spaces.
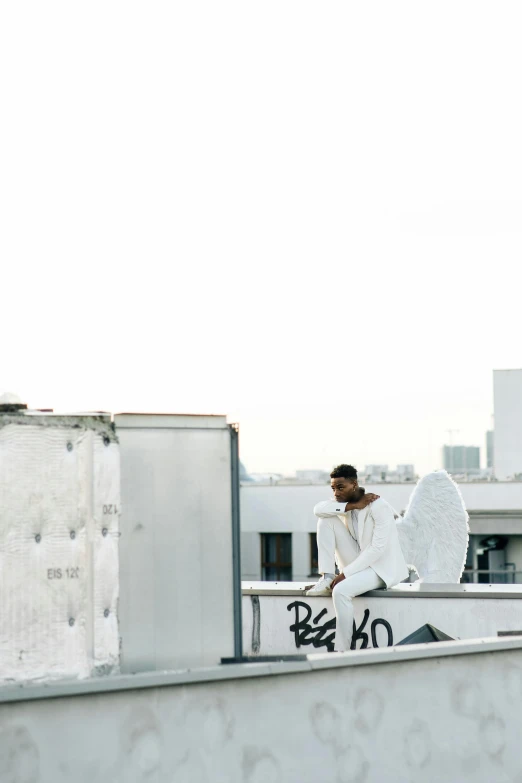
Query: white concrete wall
{"x":251,"y":555}
{"x":301,"y":556}
{"x":508,"y":422}
{"x":453,"y":718}
{"x":269,"y":622}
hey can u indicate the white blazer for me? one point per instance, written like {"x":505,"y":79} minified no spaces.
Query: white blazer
{"x":380,"y":547}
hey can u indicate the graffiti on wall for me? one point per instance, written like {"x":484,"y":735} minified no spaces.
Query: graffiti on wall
{"x":323,"y":634}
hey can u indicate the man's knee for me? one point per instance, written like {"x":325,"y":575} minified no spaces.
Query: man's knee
{"x":324,"y":522}
{"x":342,"y":591}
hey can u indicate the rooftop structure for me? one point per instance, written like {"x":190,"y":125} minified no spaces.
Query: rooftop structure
{"x":490,"y":443}
{"x":507,"y":388}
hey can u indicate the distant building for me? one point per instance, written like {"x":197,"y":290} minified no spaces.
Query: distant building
{"x":381,"y":473}
{"x":375,"y":472}
{"x":489,"y":449}
{"x":313,"y":476}
{"x":406,"y":472}
{"x":265,"y":478}
{"x":461,"y":459}
{"x":372,"y":474}
{"x":507,"y":392}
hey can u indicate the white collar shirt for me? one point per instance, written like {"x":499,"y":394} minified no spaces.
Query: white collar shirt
{"x":355,"y":525}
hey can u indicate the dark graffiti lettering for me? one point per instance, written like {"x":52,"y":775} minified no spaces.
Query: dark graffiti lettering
{"x":359,"y":633}
{"x":305,"y":633}
{"x":386,"y":625}
{"x":324,"y":635}
{"x":256,"y":624}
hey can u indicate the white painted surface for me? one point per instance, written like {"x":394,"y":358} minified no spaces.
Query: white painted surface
{"x":301,"y":562}
{"x":507,"y":392}
{"x":176,"y":606}
{"x":460,"y":618}
{"x":452,"y":717}
{"x":59,"y":490}
{"x":251,"y":556}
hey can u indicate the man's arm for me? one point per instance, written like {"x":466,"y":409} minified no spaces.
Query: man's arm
{"x":331,"y":508}
{"x":383,"y":520}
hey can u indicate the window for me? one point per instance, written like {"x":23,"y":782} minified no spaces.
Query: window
{"x":314,"y":557}
{"x":276,"y":557}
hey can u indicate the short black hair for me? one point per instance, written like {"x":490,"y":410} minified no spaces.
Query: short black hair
{"x":344,"y":471}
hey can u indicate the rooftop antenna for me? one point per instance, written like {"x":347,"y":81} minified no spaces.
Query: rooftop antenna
{"x":451,"y":463}
{"x":450,"y":433}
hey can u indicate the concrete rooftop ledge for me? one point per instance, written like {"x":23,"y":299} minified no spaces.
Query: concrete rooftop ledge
{"x":87,"y":687}
{"x":408,"y":590}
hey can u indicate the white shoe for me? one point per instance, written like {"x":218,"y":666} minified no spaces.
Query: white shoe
{"x":322,"y":587}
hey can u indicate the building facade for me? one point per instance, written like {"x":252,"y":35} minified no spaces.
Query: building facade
{"x":490,"y":453}
{"x":278,"y":529}
{"x":461,"y":459}
{"x":507,"y":393}
{"x":375,"y":474}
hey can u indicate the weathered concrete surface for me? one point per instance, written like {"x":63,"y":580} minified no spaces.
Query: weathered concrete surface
{"x":98,"y":423}
{"x":59,"y":539}
{"x":449,"y":718}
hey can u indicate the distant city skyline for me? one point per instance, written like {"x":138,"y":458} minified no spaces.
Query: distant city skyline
{"x":269,"y":445}
{"x":420,"y":445}
{"x":281,"y":441}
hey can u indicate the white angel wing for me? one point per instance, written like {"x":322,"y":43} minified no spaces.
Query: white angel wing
{"x":434,"y":531}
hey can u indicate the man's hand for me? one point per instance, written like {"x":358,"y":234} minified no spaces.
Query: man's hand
{"x":364,"y":501}
{"x":338,"y":578}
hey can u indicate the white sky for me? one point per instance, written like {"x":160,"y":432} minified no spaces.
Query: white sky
{"x":306,"y":215}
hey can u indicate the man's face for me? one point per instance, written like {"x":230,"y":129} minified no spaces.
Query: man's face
{"x":344,"y":489}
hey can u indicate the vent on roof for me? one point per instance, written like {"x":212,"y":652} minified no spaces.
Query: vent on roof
{"x":426,"y":634}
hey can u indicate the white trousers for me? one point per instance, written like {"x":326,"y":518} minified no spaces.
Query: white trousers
{"x":334,"y":540}
{"x":342,"y":600}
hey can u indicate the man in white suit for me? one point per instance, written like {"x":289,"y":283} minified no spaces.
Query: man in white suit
{"x":361,"y":531}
